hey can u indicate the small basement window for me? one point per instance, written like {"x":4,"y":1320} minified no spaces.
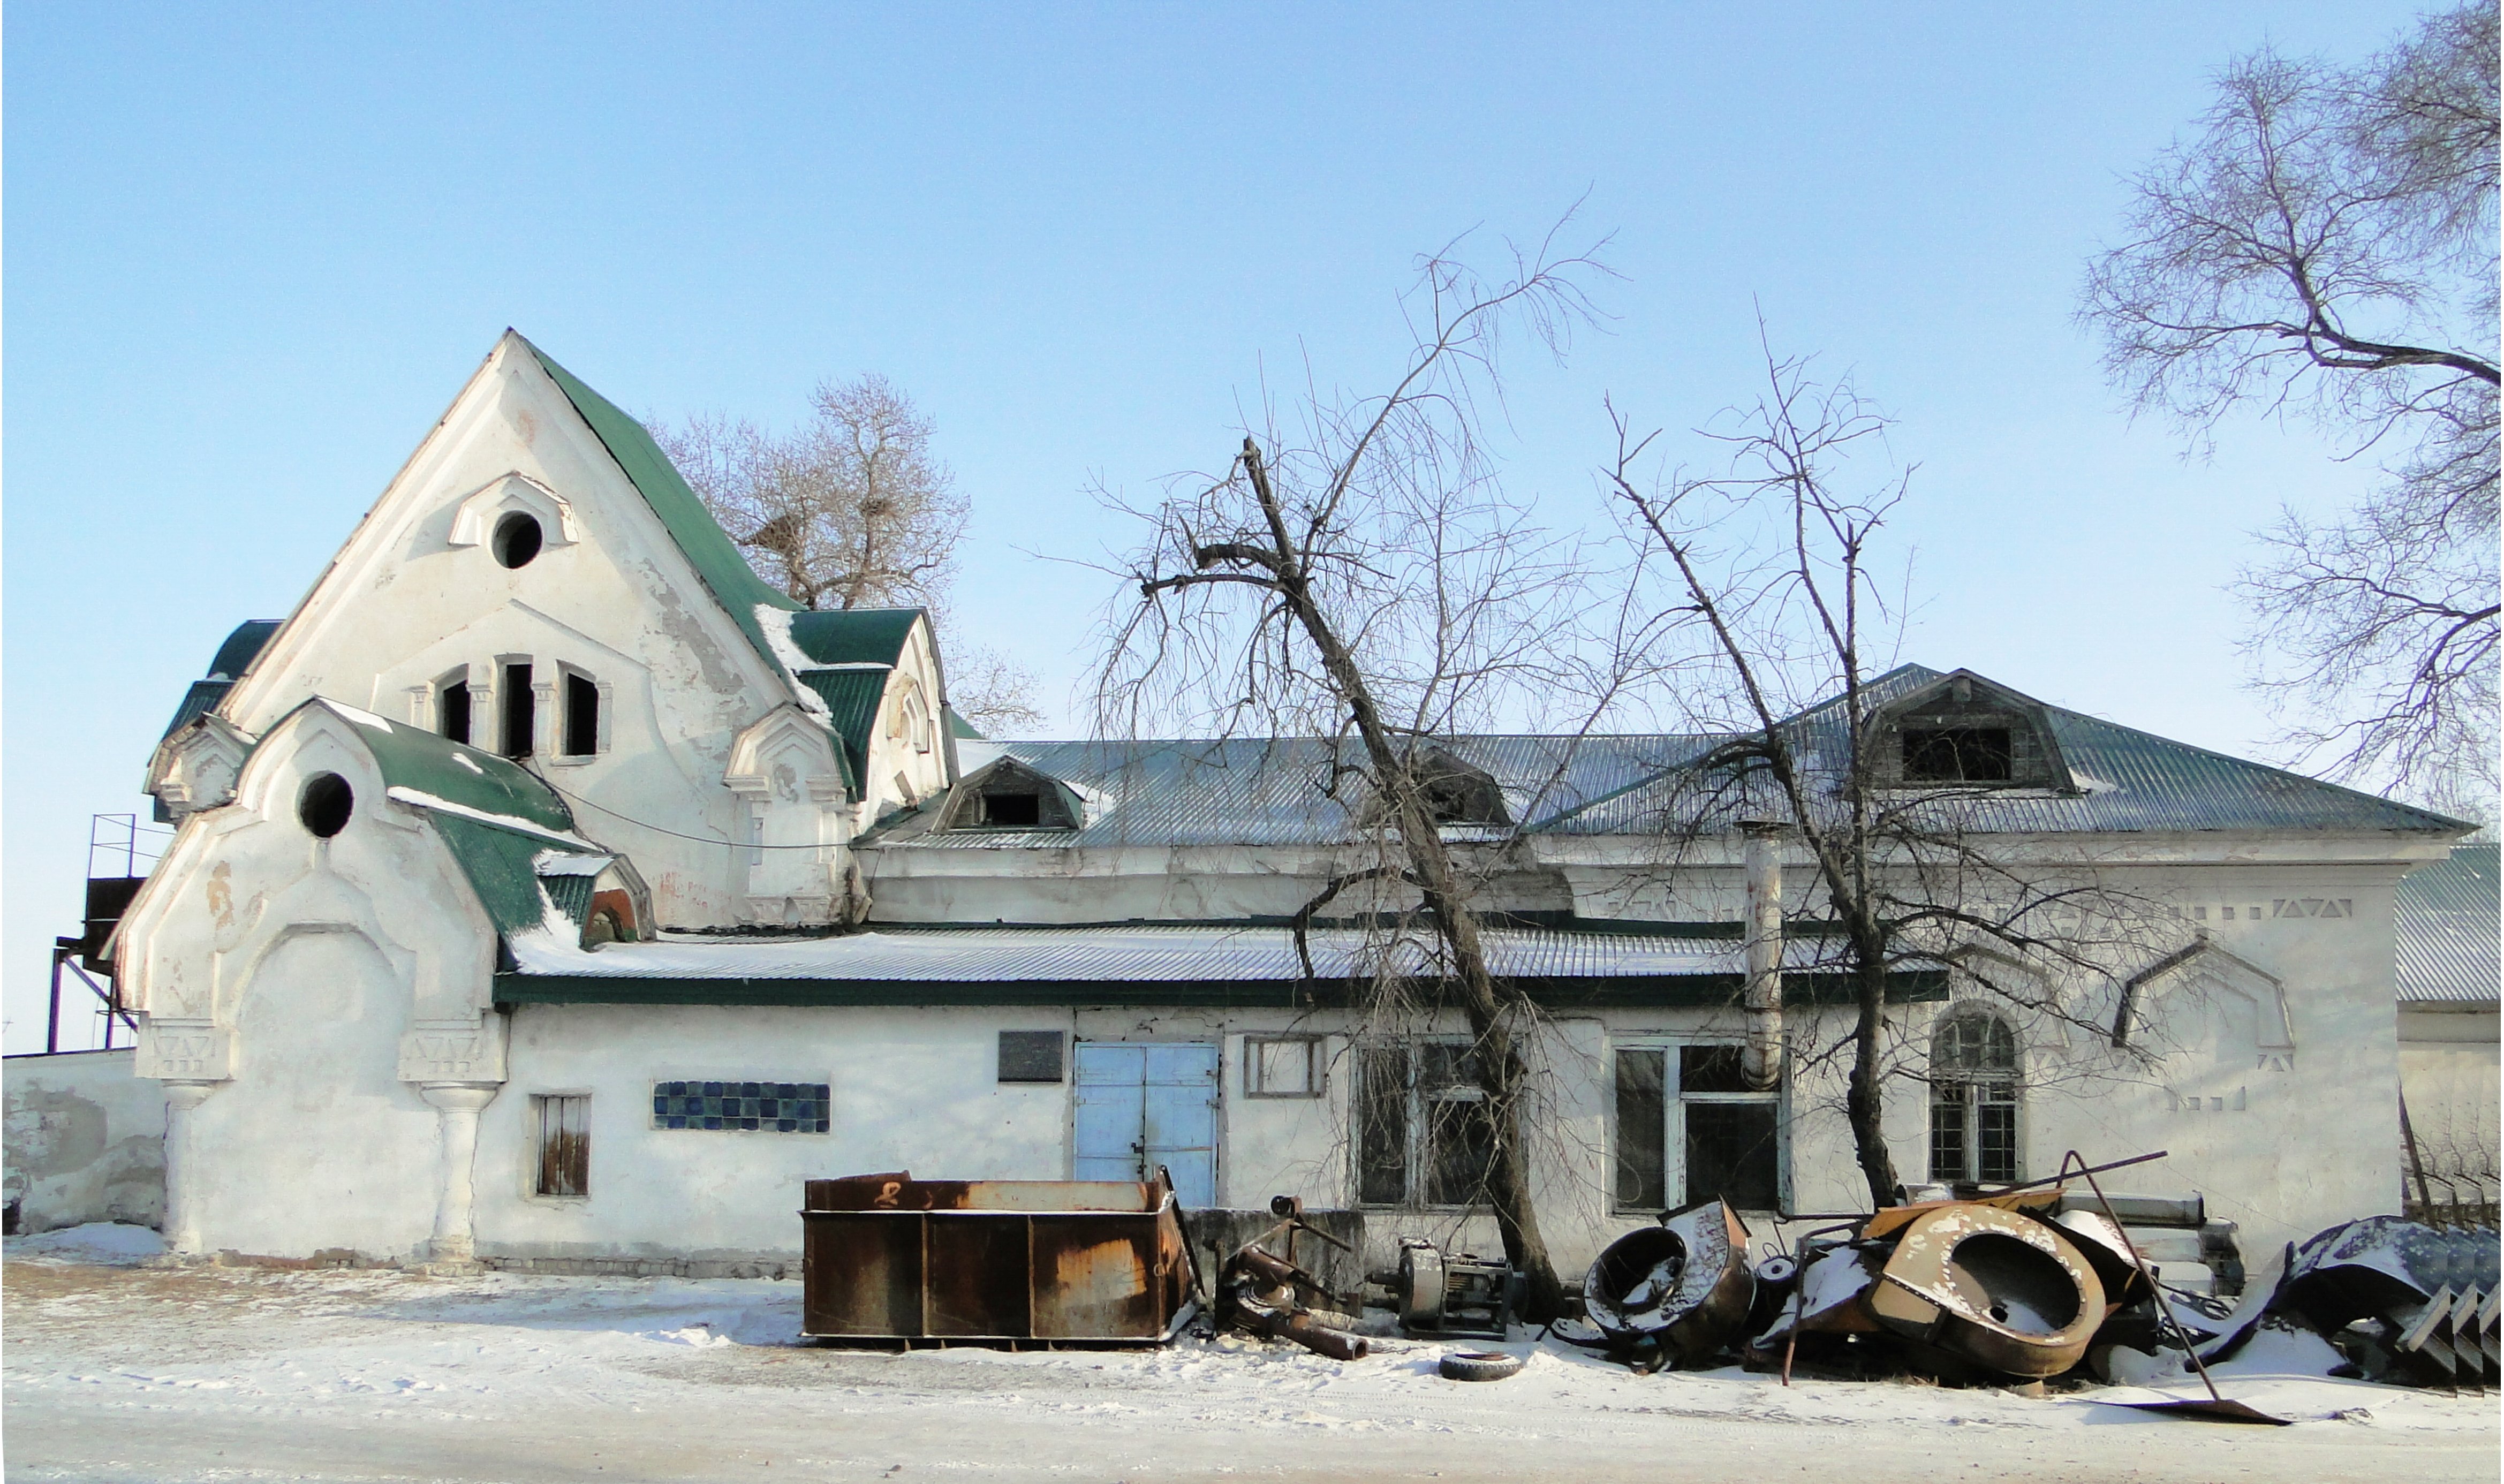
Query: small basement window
{"x":1031,"y":1055}
{"x":563,"y":1125}
{"x":1958,"y":756}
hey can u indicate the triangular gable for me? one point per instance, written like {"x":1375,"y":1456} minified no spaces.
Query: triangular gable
{"x":707,"y":548}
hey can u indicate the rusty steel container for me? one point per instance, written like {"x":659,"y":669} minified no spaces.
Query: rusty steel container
{"x":892,"y":1257}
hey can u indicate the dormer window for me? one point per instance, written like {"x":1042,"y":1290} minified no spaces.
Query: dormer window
{"x":1962,"y":731}
{"x":1458,"y":794}
{"x":1008,"y":794}
{"x":1957,"y":755}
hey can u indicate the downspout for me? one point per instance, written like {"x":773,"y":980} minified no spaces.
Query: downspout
{"x":1761,"y":1064}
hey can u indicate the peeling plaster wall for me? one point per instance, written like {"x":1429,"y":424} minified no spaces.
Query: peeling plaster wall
{"x":86,"y":1141}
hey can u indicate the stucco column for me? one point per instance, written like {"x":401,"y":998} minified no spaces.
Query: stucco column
{"x":456,"y":1111}
{"x":182,"y":1170}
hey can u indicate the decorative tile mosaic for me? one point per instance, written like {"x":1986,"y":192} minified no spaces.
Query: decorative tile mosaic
{"x":758,"y":1107}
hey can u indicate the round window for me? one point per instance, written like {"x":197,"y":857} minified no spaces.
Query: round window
{"x":325,"y":804}
{"x":517,"y":539}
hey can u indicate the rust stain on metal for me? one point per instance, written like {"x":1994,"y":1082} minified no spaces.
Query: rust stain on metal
{"x":893,"y":1258}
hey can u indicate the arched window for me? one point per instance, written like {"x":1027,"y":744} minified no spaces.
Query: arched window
{"x":1973,"y":1099}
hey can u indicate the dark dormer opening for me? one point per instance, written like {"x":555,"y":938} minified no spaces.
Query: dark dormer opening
{"x":1958,"y":756}
{"x":1008,"y":794}
{"x":1962,"y":730}
{"x":581,"y":715}
{"x":517,"y":539}
{"x":1457,"y":793}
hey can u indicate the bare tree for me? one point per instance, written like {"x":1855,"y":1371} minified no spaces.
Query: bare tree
{"x":1366,"y":580}
{"x":2325,"y":245}
{"x":1897,"y":825}
{"x":851,"y":510}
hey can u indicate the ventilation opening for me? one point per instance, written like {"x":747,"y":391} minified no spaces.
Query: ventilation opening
{"x":582,"y":716}
{"x":521,"y":711}
{"x":452,"y":707}
{"x":1958,"y":756}
{"x":1013,"y":811}
{"x":326,"y":805}
{"x":517,"y":539}
{"x":1457,"y":793}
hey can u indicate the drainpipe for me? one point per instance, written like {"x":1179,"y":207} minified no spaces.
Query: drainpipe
{"x":1760,"y":1065}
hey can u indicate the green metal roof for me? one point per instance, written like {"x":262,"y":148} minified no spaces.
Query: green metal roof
{"x":855,"y":636}
{"x":200,"y":700}
{"x":852,"y":698}
{"x":497,"y":862}
{"x":243,"y":647}
{"x":707,"y":548}
{"x":440,"y":769}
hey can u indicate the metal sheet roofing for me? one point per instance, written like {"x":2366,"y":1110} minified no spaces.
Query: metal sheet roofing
{"x":852,"y":698}
{"x":853,"y":635}
{"x":2447,"y":930}
{"x":1270,"y":791}
{"x":1135,"y":963}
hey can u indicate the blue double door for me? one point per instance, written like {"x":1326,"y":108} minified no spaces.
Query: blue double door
{"x":1145,"y":1104}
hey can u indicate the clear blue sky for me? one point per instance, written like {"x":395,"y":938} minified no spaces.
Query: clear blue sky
{"x":252,"y":251}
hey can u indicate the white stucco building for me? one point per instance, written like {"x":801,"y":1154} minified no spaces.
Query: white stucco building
{"x":549,"y":890}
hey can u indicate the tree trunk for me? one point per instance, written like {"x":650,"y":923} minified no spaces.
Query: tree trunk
{"x":1489,"y":1007}
{"x":1864,"y":1097}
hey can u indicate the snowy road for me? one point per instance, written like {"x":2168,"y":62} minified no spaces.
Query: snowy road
{"x":120,"y":1372}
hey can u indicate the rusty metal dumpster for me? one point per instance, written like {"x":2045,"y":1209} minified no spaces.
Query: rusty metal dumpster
{"x":892,"y":1257}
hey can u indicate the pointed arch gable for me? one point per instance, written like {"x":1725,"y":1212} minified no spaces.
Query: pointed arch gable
{"x":512,"y":433}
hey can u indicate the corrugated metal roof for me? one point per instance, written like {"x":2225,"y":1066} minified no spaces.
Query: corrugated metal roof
{"x":200,"y":700}
{"x":852,"y":698}
{"x":2447,"y":914}
{"x":1135,"y":952}
{"x":1264,"y":791}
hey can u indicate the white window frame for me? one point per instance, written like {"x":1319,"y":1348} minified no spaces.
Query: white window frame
{"x":1972,"y":1079}
{"x":1674,"y":1100}
{"x":1316,"y":1072}
{"x":1414,"y":1164}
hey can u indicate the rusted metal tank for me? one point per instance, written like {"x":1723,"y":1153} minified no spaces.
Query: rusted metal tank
{"x":1996,"y":1287}
{"x":892,"y":1257}
{"x":1685,"y":1281}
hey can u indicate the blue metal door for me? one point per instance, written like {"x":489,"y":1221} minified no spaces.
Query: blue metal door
{"x":1141,"y":1105}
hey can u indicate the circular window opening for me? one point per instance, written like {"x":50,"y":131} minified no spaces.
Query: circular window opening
{"x":517,"y":539}
{"x":326,"y":805}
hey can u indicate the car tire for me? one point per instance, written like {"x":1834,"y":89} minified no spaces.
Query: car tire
{"x":1478,"y":1366}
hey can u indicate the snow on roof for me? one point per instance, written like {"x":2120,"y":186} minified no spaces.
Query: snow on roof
{"x":1123,"y":953}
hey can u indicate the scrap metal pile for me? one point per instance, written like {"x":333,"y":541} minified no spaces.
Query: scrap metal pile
{"x":2029,"y":1284}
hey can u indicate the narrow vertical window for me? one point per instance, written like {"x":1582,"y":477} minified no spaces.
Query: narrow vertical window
{"x":581,"y":715}
{"x":1973,"y":1100}
{"x":564,"y":1146}
{"x":1383,"y":1126}
{"x":521,"y":711}
{"x":1642,"y":1120}
{"x":452,"y":704}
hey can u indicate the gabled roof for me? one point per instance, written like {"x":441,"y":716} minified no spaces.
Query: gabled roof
{"x":852,"y":698}
{"x":2447,"y":930}
{"x":435,"y":772}
{"x":707,"y":548}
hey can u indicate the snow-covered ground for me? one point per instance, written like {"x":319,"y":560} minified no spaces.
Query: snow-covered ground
{"x":119,"y":1372}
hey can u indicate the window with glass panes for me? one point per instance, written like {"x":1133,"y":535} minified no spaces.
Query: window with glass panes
{"x":1973,"y":1100}
{"x":1423,"y":1134}
{"x":1689,"y":1129}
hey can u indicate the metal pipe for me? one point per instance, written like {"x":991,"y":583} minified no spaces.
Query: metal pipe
{"x":1761,"y":1064}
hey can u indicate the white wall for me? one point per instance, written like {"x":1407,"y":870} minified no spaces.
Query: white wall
{"x":86,"y":1141}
